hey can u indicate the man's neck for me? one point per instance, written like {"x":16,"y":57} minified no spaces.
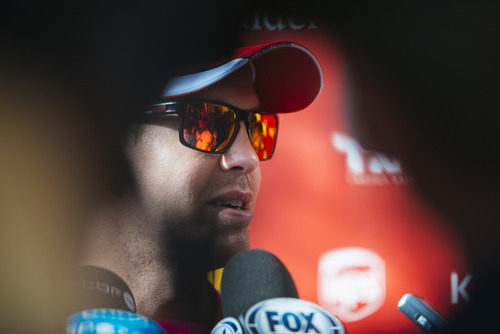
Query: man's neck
{"x":165,"y":287}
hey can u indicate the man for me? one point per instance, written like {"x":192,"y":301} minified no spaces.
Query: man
{"x":195,"y":158}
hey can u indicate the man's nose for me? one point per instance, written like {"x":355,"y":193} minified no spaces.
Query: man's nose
{"x":240,"y":155}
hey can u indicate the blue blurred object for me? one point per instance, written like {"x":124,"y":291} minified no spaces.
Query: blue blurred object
{"x":110,"y":321}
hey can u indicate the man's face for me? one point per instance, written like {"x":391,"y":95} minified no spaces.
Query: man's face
{"x":195,"y":198}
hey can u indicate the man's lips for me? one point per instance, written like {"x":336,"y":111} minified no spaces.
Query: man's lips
{"x":234,"y":200}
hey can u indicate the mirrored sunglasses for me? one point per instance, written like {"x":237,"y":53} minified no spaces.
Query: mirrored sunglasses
{"x":211,"y":127}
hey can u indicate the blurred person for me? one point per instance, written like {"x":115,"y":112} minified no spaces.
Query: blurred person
{"x":194,"y":159}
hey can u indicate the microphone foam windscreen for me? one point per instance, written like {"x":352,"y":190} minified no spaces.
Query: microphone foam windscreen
{"x":102,"y":288}
{"x":253,"y":276}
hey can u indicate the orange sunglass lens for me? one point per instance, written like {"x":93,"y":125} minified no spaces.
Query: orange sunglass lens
{"x":208,"y":127}
{"x":263,"y":132}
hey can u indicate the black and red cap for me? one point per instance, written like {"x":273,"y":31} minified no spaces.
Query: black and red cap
{"x":288,"y":76}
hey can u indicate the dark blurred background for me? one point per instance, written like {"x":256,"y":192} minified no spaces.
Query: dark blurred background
{"x":422,"y":80}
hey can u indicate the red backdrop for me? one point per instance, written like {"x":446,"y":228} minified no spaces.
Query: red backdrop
{"x":321,"y":193}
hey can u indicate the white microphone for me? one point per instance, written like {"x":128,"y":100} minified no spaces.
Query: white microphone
{"x":258,"y":290}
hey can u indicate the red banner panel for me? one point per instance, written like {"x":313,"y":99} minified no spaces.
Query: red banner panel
{"x":343,"y":220}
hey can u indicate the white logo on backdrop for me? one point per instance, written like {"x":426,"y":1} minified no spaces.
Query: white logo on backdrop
{"x":351,"y":282}
{"x":277,"y":23}
{"x":367,"y":168}
{"x":459,"y":288}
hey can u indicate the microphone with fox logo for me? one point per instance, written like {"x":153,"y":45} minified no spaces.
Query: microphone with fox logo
{"x":259,"y":296}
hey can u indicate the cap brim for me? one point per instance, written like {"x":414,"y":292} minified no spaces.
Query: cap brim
{"x":288,"y":77}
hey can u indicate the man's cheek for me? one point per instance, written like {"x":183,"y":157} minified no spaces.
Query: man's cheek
{"x":255,"y":182}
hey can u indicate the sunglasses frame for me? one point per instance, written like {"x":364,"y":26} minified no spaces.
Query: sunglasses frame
{"x":177,"y":107}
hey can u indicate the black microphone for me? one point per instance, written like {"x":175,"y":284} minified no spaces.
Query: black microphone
{"x":102,"y":288}
{"x":106,"y":306}
{"x":259,"y":292}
